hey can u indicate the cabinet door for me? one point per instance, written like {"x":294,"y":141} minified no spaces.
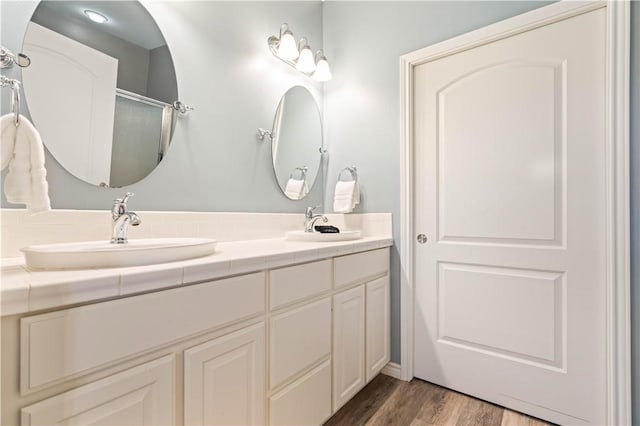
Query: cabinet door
{"x":348,"y":345}
{"x":143,"y":395}
{"x":224,"y":380}
{"x":377,"y":326}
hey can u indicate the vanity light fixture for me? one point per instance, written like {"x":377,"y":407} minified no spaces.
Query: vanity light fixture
{"x":287,"y":48}
{"x":301,"y":56}
{"x":96,"y":16}
{"x":322,"y":72}
{"x":306,"y":63}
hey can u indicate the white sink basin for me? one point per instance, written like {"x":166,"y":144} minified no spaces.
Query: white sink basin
{"x":103,"y":254}
{"x":318,"y":237}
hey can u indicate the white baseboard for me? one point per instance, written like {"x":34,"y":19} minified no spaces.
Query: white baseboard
{"x":393,"y":370}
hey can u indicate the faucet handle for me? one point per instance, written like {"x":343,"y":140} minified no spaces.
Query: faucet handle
{"x":126,"y":197}
{"x":309,"y":212}
{"x":120,"y":205}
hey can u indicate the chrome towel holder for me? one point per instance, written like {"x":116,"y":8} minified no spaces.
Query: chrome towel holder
{"x":353,"y":170}
{"x":303,"y":172}
{"x":14,"y":85}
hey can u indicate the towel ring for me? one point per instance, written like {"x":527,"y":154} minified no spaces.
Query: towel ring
{"x":15,"y":103}
{"x":14,"y":85}
{"x":303,"y":173}
{"x":352,"y":170}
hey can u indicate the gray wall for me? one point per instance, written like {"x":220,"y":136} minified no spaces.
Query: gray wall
{"x":635,"y":207}
{"x":362,"y":102}
{"x":161,"y":84}
{"x":225,"y":70}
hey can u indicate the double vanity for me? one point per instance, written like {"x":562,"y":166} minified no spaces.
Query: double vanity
{"x":267,"y":331}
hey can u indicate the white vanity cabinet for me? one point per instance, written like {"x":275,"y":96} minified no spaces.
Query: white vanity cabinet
{"x":224,"y":380}
{"x":378,"y":326}
{"x":348,"y":344}
{"x":144,"y":395}
{"x":300,"y":344}
{"x":361,"y":322}
{"x":286,"y":345}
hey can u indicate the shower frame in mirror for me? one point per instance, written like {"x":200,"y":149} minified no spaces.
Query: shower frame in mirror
{"x":127,"y":61}
{"x":296,"y":142}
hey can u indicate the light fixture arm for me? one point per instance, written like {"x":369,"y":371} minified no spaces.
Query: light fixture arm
{"x":302,"y":44}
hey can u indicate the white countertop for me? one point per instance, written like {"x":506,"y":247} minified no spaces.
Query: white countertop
{"x":23,"y":290}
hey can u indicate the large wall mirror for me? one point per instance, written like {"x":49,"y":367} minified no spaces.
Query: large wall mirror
{"x":296,"y":142}
{"x":100,"y":88}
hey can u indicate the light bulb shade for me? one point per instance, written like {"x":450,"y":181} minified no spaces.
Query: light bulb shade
{"x":306,"y":63}
{"x":288,"y":49}
{"x":323,"y":72}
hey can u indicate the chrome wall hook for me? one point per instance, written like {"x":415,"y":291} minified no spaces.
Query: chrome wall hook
{"x":7,"y":58}
{"x":182,"y":108}
{"x":261,"y":133}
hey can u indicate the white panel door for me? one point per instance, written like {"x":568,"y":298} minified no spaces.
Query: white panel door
{"x":144,"y":395}
{"x":224,"y":380}
{"x":510,"y":192}
{"x":377,"y":336}
{"x":71,"y":92}
{"x":348,"y":345}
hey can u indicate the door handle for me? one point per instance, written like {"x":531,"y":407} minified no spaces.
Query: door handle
{"x":422,"y":238}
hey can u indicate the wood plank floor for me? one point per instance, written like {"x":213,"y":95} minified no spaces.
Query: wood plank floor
{"x":388,"y":401}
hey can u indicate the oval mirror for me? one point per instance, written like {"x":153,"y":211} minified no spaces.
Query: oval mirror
{"x":100,"y":88}
{"x":296,"y":142}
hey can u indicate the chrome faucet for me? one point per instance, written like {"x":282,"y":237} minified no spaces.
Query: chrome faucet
{"x":310,"y":219}
{"x":122,"y":218}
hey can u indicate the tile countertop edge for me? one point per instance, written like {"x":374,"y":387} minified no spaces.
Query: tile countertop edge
{"x":71,"y":287}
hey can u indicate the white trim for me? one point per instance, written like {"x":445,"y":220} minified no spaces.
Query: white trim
{"x":392,"y":370}
{"x":618,"y":215}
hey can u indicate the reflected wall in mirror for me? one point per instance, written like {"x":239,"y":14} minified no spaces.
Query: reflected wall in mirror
{"x":296,"y":142}
{"x":100,"y":93}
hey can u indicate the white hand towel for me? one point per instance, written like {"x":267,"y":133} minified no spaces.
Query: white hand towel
{"x":22,"y":151}
{"x":346,"y":196}
{"x":296,"y":188}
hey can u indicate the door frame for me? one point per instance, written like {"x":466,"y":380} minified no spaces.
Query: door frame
{"x":618,"y":327}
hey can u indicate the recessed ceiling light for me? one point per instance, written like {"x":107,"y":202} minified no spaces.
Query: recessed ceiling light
{"x":95,"y":16}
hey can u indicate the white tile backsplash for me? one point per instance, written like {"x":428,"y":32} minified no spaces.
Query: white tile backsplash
{"x":20,"y":229}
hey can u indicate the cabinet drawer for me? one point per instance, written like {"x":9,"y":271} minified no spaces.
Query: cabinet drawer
{"x":298,"y":339}
{"x":307,"y":401}
{"x":143,"y":395}
{"x":358,"y":267}
{"x":61,"y":344}
{"x":288,"y":285}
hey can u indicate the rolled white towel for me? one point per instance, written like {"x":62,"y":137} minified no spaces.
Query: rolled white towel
{"x":296,"y":188}
{"x":346,"y":196}
{"x":22,"y":151}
